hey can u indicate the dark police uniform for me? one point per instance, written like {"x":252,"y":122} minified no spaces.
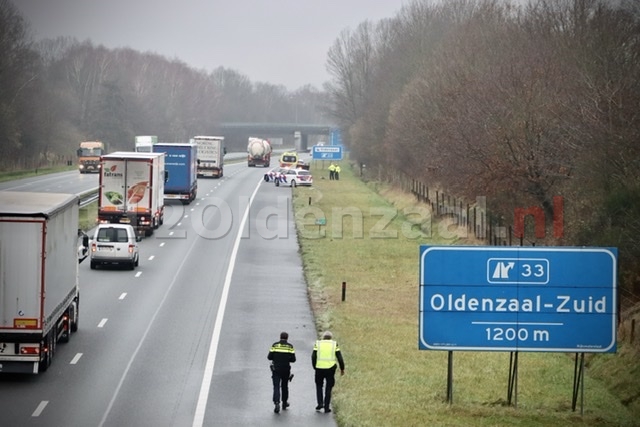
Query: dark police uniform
{"x":281,"y":355}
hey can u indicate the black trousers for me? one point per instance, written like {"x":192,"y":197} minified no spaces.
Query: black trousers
{"x":322,"y":376}
{"x":280,"y":379}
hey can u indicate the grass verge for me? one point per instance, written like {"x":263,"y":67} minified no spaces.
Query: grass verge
{"x":12,"y":175}
{"x":389,"y":382}
{"x":88,"y":216}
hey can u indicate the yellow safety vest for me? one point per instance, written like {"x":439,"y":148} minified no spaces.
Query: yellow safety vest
{"x":325,"y":354}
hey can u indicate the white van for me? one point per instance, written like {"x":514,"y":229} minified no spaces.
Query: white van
{"x":115,"y":244}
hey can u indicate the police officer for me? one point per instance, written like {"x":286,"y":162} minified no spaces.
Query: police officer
{"x":332,"y":171}
{"x":281,"y":354}
{"x":326,"y":357}
{"x":336,"y":173}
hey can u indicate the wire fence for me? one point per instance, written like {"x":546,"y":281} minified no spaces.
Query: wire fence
{"x":494,"y":230}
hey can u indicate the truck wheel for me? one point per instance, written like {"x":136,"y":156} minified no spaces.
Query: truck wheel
{"x":48,"y":356}
{"x":293,"y":183}
{"x":277,"y":182}
{"x":75,"y":316}
{"x":93,"y":265}
{"x":136,"y":262}
{"x":66,"y":327}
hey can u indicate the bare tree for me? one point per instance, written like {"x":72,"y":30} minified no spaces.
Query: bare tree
{"x":18,"y":73}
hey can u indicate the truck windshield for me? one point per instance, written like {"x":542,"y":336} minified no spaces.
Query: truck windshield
{"x":87,"y":152}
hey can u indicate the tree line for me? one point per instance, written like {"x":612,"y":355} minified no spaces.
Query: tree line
{"x":56,"y":93}
{"x":515,"y":102}
{"x":518,"y":103}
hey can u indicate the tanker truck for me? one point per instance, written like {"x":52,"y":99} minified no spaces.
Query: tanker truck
{"x":259,"y":152}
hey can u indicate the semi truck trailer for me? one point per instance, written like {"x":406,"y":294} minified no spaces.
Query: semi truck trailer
{"x":180,"y":162}
{"x":131,"y":190}
{"x":40,"y":249}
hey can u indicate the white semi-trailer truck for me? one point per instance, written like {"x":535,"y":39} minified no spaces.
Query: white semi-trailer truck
{"x":132,"y":190}
{"x":211,"y":151}
{"x":40,"y":249}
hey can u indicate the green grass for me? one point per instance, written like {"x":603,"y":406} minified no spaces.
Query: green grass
{"x":11,"y":175}
{"x":88,"y":216}
{"x":388,"y":381}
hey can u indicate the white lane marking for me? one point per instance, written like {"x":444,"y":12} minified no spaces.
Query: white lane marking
{"x":75,"y":359}
{"x":102,"y":322}
{"x":171,"y":233}
{"x":203,"y":397}
{"x":40,"y":408}
{"x":162,"y":244}
{"x":179,"y":224}
{"x":204,"y":391}
{"x":186,"y":216}
{"x":206,"y":382}
{"x":138,"y":274}
{"x":151,"y":257}
{"x":123,"y":295}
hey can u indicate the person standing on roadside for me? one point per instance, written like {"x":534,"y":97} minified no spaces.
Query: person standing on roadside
{"x":332,"y":171}
{"x":326,"y":357}
{"x":281,"y":354}
{"x":336,"y":173}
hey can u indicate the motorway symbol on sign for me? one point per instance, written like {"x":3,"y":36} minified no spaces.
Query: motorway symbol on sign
{"x":518,"y":299}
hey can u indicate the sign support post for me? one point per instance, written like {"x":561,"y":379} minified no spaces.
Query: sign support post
{"x":512,"y":387}
{"x":578,"y":383}
{"x":450,"y":378}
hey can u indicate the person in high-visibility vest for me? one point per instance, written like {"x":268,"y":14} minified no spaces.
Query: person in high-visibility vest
{"x":326,"y":357}
{"x":336,"y":173}
{"x":281,"y":354}
{"x":332,"y":171}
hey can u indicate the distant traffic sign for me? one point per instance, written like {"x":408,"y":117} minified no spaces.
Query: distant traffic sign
{"x":518,"y":299}
{"x":327,"y":152}
{"x":335,"y":137}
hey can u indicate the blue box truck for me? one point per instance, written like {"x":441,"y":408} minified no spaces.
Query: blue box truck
{"x":180,"y":164}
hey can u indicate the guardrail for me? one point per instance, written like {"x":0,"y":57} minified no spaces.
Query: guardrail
{"x":88,"y":197}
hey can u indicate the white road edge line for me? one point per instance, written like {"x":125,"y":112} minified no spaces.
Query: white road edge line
{"x":201,"y":407}
{"x":75,"y":359}
{"x":122,"y":295}
{"x":102,"y":322}
{"x":216,"y":332}
{"x":40,"y":408}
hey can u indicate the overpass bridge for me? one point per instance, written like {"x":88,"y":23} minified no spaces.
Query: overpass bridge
{"x":282,"y":135}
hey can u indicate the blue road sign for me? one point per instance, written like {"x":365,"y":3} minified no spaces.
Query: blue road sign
{"x":327,"y":152}
{"x":518,"y":299}
{"x":335,"y":138}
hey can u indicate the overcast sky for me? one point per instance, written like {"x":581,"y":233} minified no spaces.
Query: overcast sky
{"x":282,"y":42}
